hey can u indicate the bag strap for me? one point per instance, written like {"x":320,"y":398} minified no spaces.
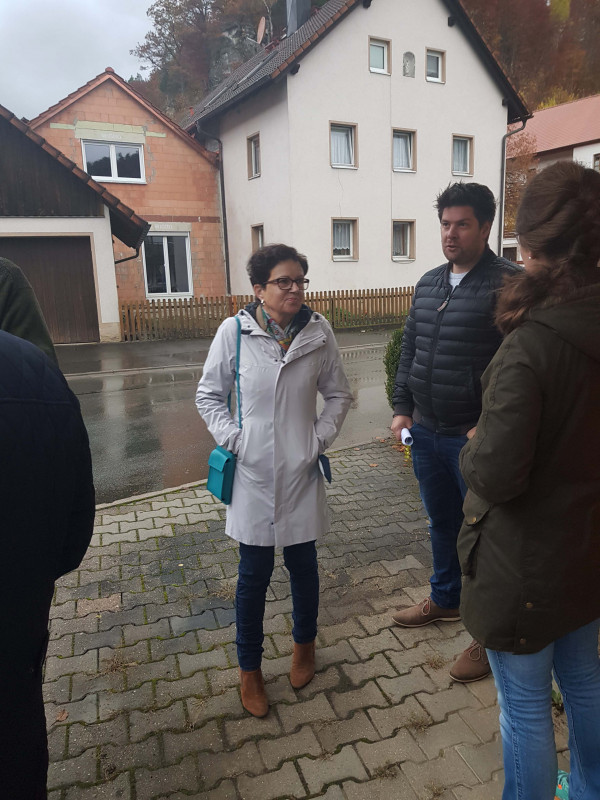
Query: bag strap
{"x":237,"y":369}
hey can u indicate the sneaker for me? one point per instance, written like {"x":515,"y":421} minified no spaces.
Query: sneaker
{"x":424,"y":613}
{"x":562,"y":786}
{"x":471,"y":665}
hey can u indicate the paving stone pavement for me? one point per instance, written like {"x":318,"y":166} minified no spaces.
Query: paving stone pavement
{"x":141,"y":681}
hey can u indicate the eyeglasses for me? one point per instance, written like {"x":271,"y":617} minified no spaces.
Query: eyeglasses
{"x":285,"y":284}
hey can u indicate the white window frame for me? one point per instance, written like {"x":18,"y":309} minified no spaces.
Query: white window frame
{"x":412,"y":135}
{"x":469,"y":141}
{"x":441,"y":73}
{"x":353,"y":129}
{"x":114,"y":177}
{"x":257,"y":233}
{"x":169,"y":294}
{"x":385,"y":46}
{"x":254,"y":156}
{"x":353,"y":226}
{"x":596,"y":162}
{"x":409,"y":239}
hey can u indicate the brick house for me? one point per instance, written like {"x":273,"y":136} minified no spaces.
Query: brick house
{"x":58,"y":224}
{"x":157,"y":169}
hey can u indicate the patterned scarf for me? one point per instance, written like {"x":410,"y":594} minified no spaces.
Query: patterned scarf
{"x":284,"y":336}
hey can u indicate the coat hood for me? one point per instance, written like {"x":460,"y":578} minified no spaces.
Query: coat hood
{"x":576,"y":320}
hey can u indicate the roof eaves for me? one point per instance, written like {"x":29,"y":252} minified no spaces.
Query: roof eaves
{"x":116,"y":207}
{"x":517,"y":108}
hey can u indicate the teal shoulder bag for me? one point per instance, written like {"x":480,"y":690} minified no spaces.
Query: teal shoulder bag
{"x":221,"y":462}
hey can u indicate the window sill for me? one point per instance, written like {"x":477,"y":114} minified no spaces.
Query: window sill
{"x":182,"y":296}
{"x":399,"y":169}
{"x":118,"y":180}
{"x":344,"y":166}
{"x":344,"y":258}
{"x":379,"y":71}
{"x":434,"y":80}
{"x":405,"y":259}
{"x":463,"y":174}
{"x":252,"y":177}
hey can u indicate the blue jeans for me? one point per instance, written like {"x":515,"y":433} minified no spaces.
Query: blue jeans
{"x":254,"y":575}
{"x":524,"y":685}
{"x":435,"y":462}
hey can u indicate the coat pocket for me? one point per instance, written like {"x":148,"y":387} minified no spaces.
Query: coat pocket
{"x":475,"y":509}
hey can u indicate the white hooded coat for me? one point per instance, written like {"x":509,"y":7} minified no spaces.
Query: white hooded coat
{"x":278,"y":491}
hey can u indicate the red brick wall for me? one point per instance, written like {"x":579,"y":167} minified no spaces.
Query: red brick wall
{"x":181,"y":186}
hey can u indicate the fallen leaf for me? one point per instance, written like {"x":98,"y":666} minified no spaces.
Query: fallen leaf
{"x":373,"y":465}
{"x":62,"y":715}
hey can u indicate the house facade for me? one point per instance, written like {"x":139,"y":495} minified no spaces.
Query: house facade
{"x":166,"y":176}
{"x":566,"y":132}
{"x":338,"y":139}
{"x":58,"y":225}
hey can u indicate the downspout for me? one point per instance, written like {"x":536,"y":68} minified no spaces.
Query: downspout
{"x":129,"y":258}
{"x":503,"y":181}
{"x":223,"y":207}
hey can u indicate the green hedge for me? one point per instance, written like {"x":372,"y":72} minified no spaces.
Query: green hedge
{"x":390,"y":362}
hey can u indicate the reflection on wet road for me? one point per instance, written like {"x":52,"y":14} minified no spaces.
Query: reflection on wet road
{"x":146,"y":435}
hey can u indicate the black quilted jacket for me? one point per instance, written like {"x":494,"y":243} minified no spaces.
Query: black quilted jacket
{"x":448,"y":341}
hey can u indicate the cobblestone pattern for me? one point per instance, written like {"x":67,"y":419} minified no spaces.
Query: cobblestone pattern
{"x":141,"y":681}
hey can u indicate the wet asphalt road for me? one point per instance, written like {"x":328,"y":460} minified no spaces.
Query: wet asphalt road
{"x":145,"y":433}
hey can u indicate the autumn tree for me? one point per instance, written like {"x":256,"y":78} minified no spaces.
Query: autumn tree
{"x":521,"y":165}
{"x":548,"y":49}
{"x":192,"y":45}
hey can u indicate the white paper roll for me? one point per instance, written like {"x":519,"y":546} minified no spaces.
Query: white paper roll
{"x":406,"y":437}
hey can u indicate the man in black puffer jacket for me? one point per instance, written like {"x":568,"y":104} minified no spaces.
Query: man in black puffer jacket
{"x":47,"y":501}
{"x":448,"y":341}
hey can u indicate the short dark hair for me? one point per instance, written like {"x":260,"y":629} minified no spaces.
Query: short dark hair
{"x":479,"y":197}
{"x":262,"y":262}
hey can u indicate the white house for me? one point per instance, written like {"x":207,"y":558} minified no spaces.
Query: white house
{"x":338,"y":138}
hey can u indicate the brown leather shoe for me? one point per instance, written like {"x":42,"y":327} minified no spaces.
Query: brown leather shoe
{"x":423,"y":613}
{"x":254,"y":698}
{"x":471,"y":665}
{"x":303,"y":664}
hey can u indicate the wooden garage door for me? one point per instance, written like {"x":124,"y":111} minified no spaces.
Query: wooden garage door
{"x":62,"y":275}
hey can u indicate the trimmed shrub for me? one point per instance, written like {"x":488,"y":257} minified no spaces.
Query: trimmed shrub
{"x":390,"y":362}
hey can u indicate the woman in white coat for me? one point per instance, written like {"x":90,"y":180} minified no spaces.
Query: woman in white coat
{"x":288,"y":353}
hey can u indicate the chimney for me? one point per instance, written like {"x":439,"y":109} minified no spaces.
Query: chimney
{"x":298,"y":12}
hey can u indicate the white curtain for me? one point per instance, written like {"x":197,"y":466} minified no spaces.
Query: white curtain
{"x":402,"y":150}
{"x":342,"y":149}
{"x":460,"y":155}
{"x":342,"y":238}
{"x":401,"y":240}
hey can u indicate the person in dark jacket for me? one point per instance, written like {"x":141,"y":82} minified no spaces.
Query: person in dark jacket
{"x":47,"y":501}
{"x":530,"y":544}
{"x":20,"y":313}
{"x":449,"y":340}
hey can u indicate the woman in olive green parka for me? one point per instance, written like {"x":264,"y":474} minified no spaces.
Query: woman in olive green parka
{"x":530,"y":543}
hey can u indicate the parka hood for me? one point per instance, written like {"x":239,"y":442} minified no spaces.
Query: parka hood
{"x":576,"y":319}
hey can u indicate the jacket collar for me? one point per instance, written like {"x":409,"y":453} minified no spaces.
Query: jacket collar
{"x":486,"y":259}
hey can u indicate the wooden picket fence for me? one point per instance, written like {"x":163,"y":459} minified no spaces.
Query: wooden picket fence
{"x":195,"y":317}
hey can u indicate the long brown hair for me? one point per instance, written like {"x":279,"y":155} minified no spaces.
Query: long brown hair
{"x":559,"y":222}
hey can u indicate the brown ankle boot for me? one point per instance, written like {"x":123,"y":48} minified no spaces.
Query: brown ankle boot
{"x":303,"y":664}
{"x":254,"y":698}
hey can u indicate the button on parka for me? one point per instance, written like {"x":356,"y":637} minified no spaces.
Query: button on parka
{"x":278,"y":492}
{"x":530,"y":544}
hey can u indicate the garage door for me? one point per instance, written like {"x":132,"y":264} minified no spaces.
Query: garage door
{"x":62,"y":275}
